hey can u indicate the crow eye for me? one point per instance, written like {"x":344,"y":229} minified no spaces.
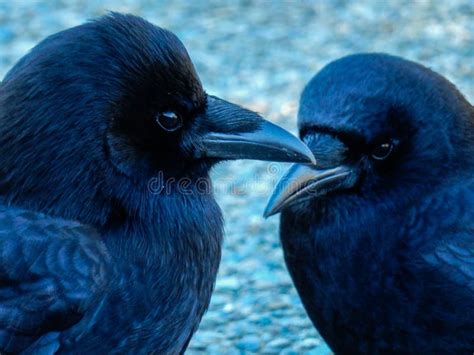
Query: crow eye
{"x":169,"y":121}
{"x":382,"y":151}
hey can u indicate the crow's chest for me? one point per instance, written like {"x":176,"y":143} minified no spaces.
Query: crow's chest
{"x":347,"y":288}
{"x":159,"y":290}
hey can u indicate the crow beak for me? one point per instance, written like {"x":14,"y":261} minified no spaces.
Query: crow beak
{"x":232,"y":132}
{"x":304,"y":182}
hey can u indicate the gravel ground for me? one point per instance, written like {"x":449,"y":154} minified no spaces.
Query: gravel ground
{"x":260,"y":54}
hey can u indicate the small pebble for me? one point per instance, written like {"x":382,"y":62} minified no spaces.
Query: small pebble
{"x":249,"y":343}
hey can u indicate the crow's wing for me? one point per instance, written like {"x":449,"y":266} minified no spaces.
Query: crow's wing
{"x":447,"y":303}
{"x":455,"y":259}
{"x":453,"y":255}
{"x":50,"y":270}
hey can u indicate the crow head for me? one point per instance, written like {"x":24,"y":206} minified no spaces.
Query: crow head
{"x":164,"y":121}
{"x":377,"y":124}
{"x":95,"y":111}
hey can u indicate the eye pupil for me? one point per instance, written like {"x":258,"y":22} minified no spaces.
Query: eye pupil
{"x":169,"y":121}
{"x":382,"y":151}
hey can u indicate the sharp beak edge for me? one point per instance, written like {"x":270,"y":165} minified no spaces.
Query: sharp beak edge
{"x":263,"y":141}
{"x":304,"y":182}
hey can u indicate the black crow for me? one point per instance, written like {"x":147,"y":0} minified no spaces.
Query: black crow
{"x":110,"y":237}
{"x":378,"y":236}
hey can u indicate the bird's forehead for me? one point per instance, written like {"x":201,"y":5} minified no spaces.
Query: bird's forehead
{"x":171,"y":69}
{"x":365,"y":115}
{"x":363,"y":93}
{"x":355,"y":92}
{"x":152,"y":57}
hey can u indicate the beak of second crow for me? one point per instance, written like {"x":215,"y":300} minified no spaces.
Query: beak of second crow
{"x":232,"y":132}
{"x":304,"y":182}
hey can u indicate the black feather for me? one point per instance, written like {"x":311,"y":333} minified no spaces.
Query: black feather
{"x":91,"y":258}
{"x":387,"y":267}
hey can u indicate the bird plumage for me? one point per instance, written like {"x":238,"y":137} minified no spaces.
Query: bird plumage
{"x":121,"y":285}
{"x":110,"y":237}
{"x":98,"y":291}
{"x":382,"y":256}
{"x":375,"y":281}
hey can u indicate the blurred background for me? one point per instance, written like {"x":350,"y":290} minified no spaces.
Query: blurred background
{"x":260,"y":54}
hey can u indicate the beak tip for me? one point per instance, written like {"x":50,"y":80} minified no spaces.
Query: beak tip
{"x":270,"y":210}
{"x":262,"y":141}
{"x":306,"y":155}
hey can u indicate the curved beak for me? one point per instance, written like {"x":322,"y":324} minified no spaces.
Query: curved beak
{"x":232,"y":132}
{"x":304,"y":182}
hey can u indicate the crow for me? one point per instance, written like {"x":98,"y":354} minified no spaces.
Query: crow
{"x":378,"y":236}
{"x":110,"y":237}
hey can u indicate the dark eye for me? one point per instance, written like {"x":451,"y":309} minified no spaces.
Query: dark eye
{"x":169,"y":121}
{"x":383,"y":150}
